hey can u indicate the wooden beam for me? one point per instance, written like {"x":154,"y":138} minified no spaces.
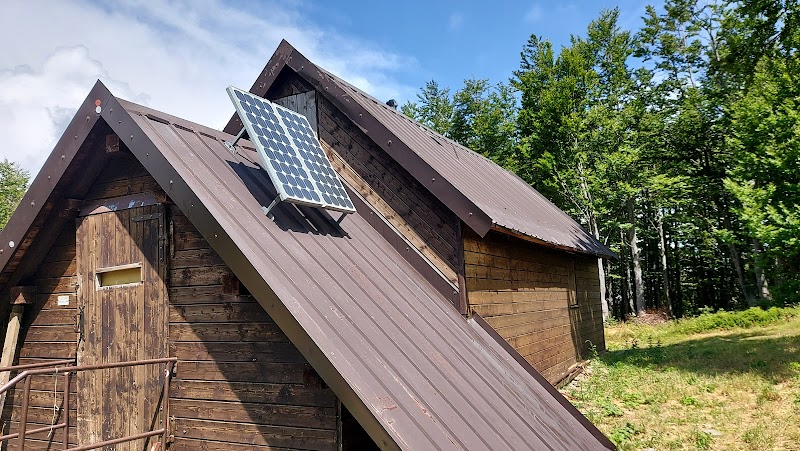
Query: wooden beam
{"x":10,"y":345}
{"x":121,"y":203}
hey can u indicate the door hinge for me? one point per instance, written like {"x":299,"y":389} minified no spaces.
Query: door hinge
{"x":79,"y":322}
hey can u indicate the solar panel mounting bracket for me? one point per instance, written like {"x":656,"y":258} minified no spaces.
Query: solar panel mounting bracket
{"x":341,"y":218}
{"x":231,"y":145}
{"x":272,"y":205}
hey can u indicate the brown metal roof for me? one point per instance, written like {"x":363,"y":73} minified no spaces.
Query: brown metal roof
{"x":480,"y":192}
{"x":413,"y":372}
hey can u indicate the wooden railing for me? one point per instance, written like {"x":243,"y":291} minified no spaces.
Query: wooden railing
{"x":60,"y":367}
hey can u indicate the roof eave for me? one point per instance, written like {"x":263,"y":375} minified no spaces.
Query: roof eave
{"x":524,"y":236}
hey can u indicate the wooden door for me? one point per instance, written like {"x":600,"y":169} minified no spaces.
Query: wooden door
{"x":122,"y":297}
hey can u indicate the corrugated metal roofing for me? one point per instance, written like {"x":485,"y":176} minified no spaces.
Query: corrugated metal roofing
{"x":431,"y":380}
{"x":509,"y":202}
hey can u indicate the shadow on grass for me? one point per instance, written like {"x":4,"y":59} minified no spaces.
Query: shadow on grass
{"x":776,"y":359}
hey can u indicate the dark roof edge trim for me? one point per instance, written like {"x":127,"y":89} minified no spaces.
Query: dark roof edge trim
{"x":51,"y":172}
{"x":541,"y":380}
{"x":522,"y":236}
{"x":455,"y":200}
{"x":209,"y":226}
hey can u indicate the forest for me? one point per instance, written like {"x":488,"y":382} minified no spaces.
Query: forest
{"x":677,"y":145}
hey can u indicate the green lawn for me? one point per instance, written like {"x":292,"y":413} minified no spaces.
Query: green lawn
{"x":671,"y":387}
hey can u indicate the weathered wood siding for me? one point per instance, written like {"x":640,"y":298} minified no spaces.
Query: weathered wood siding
{"x":239,"y":380}
{"x":525,"y":290}
{"x":589,"y":316}
{"x":47,"y":333}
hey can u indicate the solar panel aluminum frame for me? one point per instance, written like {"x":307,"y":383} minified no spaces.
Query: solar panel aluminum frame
{"x":265,"y":159}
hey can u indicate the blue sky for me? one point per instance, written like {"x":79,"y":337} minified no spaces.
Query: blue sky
{"x":180,"y":55}
{"x":453,"y":40}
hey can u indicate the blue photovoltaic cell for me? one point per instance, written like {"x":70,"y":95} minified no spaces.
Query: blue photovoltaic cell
{"x":290,"y":153}
{"x":324,"y":177}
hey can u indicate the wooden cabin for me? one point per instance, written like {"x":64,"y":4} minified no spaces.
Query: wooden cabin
{"x":151,"y":304}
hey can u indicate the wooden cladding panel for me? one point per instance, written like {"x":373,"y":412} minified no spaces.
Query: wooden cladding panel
{"x":241,"y":384}
{"x":525,"y":292}
{"x":408,"y":201}
{"x":249,"y":433}
{"x":47,"y":333}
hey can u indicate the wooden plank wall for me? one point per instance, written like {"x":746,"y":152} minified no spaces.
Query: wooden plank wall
{"x":48,"y":333}
{"x":523,"y":290}
{"x":240,"y":383}
{"x":304,"y":103}
{"x":419,"y":216}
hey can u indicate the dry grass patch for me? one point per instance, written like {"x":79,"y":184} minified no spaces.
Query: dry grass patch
{"x":661,"y":387}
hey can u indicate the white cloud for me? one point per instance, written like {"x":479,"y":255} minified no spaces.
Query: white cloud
{"x":173,"y":55}
{"x":534,"y":13}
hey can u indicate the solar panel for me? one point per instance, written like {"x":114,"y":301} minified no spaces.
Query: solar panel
{"x":290,"y":153}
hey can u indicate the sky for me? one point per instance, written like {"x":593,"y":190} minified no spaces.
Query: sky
{"x":178,"y":56}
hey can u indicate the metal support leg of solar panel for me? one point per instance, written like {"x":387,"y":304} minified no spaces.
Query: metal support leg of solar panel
{"x":232,"y":145}
{"x":272,"y":204}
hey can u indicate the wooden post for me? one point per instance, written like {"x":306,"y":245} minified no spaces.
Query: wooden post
{"x":19,"y":297}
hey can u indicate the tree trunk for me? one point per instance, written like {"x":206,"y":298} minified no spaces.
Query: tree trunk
{"x":627,"y":288}
{"x":587,"y":196}
{"x":600,"y":269}
{"x":638,"y":283}
{"x":662,"y":250}
{"x":609,"y":286}
{"x":736,"y":259}
{"x":761,"y":278}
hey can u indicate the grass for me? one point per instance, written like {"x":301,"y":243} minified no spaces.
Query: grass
{"x":726,"y":381}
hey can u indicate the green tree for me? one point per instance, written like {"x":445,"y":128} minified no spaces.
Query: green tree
{"x":433,"y":108}
{"x":13,"y":183}
{"x":579,"y":123}
{"x":766,"y":176}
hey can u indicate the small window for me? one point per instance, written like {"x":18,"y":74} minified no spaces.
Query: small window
{"x":119,"y":275}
